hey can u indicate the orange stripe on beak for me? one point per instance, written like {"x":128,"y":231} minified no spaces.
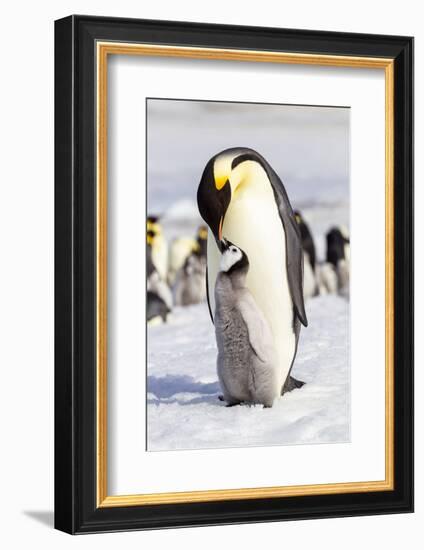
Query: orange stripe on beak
{"x":220,"y":230}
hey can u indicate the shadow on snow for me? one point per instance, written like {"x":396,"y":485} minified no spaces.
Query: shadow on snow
{"x":165,"y":387}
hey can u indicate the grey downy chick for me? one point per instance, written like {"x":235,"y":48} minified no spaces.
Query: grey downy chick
{"x":247,"y":361}
{"x":190,"y":287}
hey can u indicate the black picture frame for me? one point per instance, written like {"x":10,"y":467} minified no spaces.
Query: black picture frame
{"x":76,"y":508}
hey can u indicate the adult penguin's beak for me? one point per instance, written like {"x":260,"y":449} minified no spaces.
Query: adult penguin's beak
{"x":221,"y":221}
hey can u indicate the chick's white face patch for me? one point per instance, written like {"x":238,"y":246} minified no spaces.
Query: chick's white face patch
{"x":230,"y":257}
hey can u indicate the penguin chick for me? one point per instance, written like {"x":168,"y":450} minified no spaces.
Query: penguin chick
{"x":247,"y":362}
{"x":190,"y":287}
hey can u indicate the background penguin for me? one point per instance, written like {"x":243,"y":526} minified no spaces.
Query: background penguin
{"x":241,"y":198}
{"x":159,"y":246}
{"x":345,"y":233}
{"x":327,"y":278}
{"x":338,"y":255}
{"x":247,"y":363}
{"x":310,"y":285}
{"x":202,"y":241}
{"x":182,"y":247}
{"x":190,"y":287}
{"x":157,"y":310}
{"x":337,"y":246}
{"x":308,"y":244}
{"x":150,"y":268}
{"x":343,"y":277}
{"x":180,"y":250}
{"x":154,"y":282}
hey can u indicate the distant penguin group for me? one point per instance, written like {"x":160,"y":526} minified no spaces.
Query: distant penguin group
{"x":176,"y":274}
{"x":332,"y":275}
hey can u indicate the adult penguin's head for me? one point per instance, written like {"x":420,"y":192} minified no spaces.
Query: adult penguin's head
{"x":221,"y":177}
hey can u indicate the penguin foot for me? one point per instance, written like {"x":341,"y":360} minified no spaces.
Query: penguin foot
{"x":229,"y":403}
{"x":291,"y":384}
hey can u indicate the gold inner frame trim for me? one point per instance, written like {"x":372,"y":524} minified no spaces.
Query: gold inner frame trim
{"x":103,"y":50}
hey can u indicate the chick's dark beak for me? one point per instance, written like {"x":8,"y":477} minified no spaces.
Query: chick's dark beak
{"x":223,"y":245}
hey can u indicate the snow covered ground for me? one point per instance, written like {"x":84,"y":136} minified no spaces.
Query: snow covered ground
{"x":183,"y":407}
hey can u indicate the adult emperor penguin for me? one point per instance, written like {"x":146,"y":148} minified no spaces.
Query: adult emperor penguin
{"x":338,"y":255}
{"x":338,"y":245}
{"x":306,"y":238}
{"x":155,"y":283}
{"x":310,"y":287}
{"x":202,"y":241}
{"x":159,"y":246}
{"x":241,"y":198}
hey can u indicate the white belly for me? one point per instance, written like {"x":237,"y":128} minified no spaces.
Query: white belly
{"x":252,"y":222}
{"x":160,"y":256}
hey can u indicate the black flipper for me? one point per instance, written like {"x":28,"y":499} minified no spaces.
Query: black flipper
{"x":294,"y":252}
{"x":207,"y":295}
{"x":291,"y":384}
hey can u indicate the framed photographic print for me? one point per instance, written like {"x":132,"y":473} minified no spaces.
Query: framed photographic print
{"x":233,"y":266}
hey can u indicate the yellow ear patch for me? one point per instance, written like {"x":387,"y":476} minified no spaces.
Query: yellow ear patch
{"x":220,"y":181}
{"x":154,"y":226}
{"x":202,"y":233}
{"x":222,"y":170}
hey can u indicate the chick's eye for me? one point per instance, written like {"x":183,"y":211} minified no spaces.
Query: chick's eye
{"x":234,"y":250}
